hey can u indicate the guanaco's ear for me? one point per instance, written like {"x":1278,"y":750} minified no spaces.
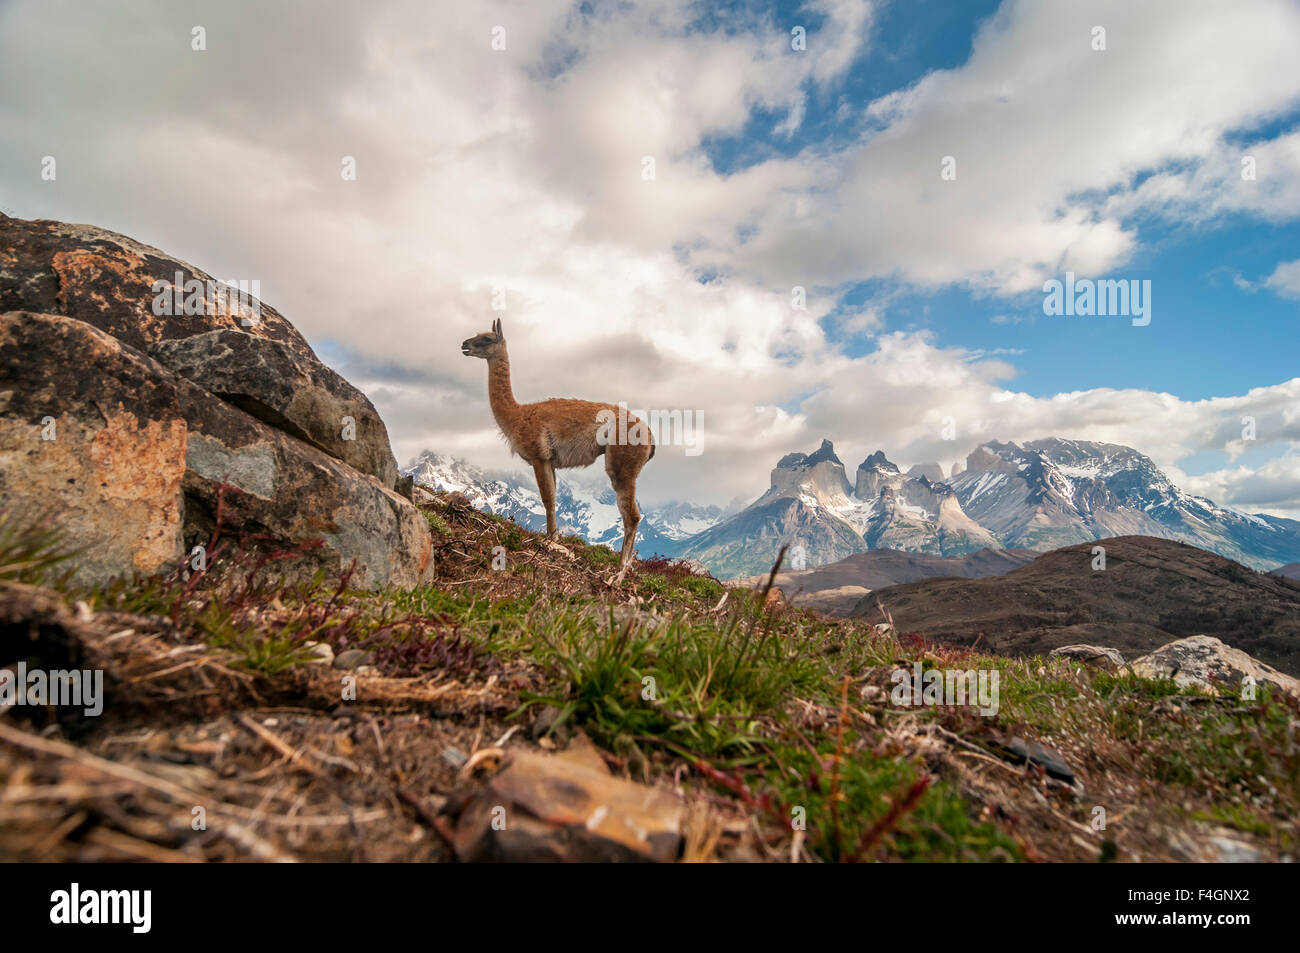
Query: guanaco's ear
{"x":496,"y":329}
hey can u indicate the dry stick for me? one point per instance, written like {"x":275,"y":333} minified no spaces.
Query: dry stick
{"x":259,"y":848}
{"x":426,"y":814}
{"x":126,"y":844}
{"x":903,"y":804}
{"x":50,"y":841}
{"x":275,"y":742}
{"x":62,"y":750}
{"x":174,"y":792}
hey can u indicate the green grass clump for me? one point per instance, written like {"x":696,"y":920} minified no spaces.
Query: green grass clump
{"x":685,"y":685}
{"x":653,"y":584}
{"x":437,"y":524}
{"x":703,"y":587}
{"x":512,"y":538}
{"x":599,"y":557}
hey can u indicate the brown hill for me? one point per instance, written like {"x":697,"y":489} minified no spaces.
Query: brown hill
{"x":1289,"y":571}
{"x":836,"y":588}
{"x":1151,"y":591}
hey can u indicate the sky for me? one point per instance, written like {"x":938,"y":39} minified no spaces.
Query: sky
{"x":790,"y":221}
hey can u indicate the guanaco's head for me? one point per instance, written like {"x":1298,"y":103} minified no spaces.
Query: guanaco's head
{"x":486,"y":345}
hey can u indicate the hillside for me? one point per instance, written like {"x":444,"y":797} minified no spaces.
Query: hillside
{"x":487,"y":683}
{"x":1152,"y":591}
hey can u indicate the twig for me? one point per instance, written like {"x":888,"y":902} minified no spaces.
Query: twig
{"x":904,"y":804}
{"x":290,"y":754}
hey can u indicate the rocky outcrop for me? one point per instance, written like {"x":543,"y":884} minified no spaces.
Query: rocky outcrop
{"x":239,"y":349}
{"x":874,"y":474}
{"x":931,"y":471}
{"x":1207,"y":663}
{"x":1096,"y":656}
{"x":132,"y":458}
{"x":818,"y":475}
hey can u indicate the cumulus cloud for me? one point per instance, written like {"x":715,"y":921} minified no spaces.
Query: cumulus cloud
{"x":1272,"y":488}
{"x":1285,"y":279}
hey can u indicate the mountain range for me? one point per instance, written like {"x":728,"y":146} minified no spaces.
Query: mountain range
{"x":1039,"y":495}
{"x":584,"y":505}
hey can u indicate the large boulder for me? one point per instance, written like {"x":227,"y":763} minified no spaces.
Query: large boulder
{"x":1205,"y":662}
{"x":131,"y":457}
{"x":239,"y":349}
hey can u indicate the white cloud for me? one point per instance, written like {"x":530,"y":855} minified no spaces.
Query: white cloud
{"x":1285,"y":279}
{"x":1271,"y":488}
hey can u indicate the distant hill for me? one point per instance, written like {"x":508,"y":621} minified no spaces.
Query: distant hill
{"x":1151,"y":592}
{"x":837,"y":587}
{"x":1289,"y":571}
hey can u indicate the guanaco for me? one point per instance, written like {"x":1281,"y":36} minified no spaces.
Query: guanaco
{"x":558,"y":433}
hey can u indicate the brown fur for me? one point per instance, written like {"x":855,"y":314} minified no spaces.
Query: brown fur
{"x":558,"y":433}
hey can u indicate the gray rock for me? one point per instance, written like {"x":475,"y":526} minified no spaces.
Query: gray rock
{"x":560,"y":808}
{"x":353,"y":658}
{"x":140,"y":456}
{"x":1205,"y":662}
{"x":1217,"y":845}
{"x":248,"y":355}
{"x":280,"y":384}
{"x":1019,"y":750}
{"x":1097,"y":656}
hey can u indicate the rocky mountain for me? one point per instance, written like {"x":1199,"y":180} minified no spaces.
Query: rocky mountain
{"x":1150,"y":592}
{"x":809,"y":505}
{"x":584,"y":503}
{"x":1040,"y":495}
{"x":1050,"y":493}
{"x":812,"y":506}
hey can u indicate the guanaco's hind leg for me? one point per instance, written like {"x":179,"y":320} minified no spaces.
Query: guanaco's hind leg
{"x":545,"y":474}
{"x":623,"y":464}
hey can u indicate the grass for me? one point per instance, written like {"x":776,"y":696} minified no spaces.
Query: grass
{"x":436,"y":523}
{"x":779,"y":713}
{"x":33,"y":551}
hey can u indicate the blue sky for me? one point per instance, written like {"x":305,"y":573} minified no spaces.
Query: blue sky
{"x":1214,"y":332}
{"x":516,"y":172}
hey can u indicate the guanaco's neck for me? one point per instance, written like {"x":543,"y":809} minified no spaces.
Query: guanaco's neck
{"x":500,"y":395}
